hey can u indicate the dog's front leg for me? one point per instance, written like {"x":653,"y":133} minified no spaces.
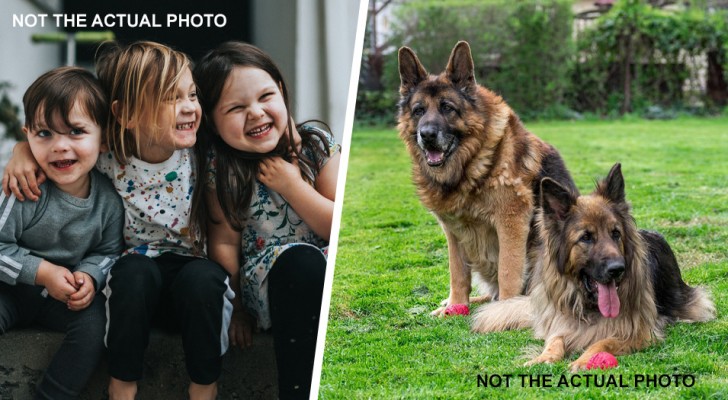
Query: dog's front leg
{"x":612,"y":346}
{"x":512,"y":238}
{"x":554,"y":351}
{"x":459,"y":275}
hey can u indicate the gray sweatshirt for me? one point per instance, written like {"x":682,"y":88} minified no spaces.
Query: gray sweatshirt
{"x":80,"y":234}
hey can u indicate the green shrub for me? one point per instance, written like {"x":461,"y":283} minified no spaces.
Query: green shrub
{"x":634,"y":59}
{"x":646,"y":57}
{"x":521,"y":50}
{"x":533,"y":73}
{"x":376,"y":108}
{"x":9,"y":114}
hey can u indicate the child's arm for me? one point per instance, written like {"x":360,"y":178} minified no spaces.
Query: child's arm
{"x":223,"y":247}
{"x":315,"y":205}
{"x":22,"y":175}
{"x":18,"y":264}
{"x":90,"y":274}
{"x":98,"y":261}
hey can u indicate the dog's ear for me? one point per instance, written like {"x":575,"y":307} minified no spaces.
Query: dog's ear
{"x":555,"y":202}
{"x":555,"y":199}
{"x":411,"y":71}
{"x":460,"y":69}
{"x":612,"y":187}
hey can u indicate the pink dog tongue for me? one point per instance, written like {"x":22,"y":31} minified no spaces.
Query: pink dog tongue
{"x":608,"y":299}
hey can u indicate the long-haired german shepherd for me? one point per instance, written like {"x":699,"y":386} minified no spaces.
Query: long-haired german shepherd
{"x":477,"y":169}
{"x":601,"y":284}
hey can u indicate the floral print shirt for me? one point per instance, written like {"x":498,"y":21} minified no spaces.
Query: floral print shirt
{"x":273,"y":226}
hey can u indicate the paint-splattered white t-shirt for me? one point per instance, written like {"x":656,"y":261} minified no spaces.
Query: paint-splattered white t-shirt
{"x":157,"y":202}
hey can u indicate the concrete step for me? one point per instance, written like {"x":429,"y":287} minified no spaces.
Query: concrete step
{"x":247,"y":374}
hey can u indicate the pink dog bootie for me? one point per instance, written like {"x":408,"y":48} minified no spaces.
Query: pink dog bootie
{"x":457,"y":309}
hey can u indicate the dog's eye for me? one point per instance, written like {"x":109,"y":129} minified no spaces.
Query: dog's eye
{"x":616,"y":235}
{"x":418,"y":111}
{"x":446,"y":108}
{"x":587,"y":237}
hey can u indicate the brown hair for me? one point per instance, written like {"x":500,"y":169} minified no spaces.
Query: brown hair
{"x":138,"y":77}
{"x":56,"y":92}
{"x":236,"y":170}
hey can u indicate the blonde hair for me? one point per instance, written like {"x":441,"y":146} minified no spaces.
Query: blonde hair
{"x":137,"y":79}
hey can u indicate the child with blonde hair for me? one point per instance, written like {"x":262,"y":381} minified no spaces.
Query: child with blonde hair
{"x":160,"y":277}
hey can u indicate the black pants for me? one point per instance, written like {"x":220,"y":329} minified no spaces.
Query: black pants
{"x":295,"y":287}
{"x":82,"y":347}
{"x":189,"y":294}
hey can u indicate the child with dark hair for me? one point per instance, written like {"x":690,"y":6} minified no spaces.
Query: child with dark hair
{"x":55,"y":253}
{"x":269,"y":203}
{"x":162,"y":278}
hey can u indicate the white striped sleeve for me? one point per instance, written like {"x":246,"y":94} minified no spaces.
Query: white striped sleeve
{"x":16,"y":263}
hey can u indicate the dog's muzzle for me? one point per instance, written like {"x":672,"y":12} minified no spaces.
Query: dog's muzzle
{"x":432,"y":141}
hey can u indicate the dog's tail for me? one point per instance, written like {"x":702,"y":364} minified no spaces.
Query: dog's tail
{"x":699,"y":306}
{"x":502,"y":315}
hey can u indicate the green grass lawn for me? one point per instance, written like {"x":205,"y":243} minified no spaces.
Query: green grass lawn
{"x":391,"y":271}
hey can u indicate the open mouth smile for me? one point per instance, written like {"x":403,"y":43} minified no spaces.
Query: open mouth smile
{"x":605,"y":295}
{"x":259,"y":131}
{"x":437,"y":157}
{"x":186,"y":126}
{"x":63,"y":164}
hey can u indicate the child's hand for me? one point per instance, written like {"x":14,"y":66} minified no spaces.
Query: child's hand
{"x":241,"y":328}
{"x":278,"y":174}
{"x":58,"y":281}
{"x":22,"y":175}
{"x":85,"y":294}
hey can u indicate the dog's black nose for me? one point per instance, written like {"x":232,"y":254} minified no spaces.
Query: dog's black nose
{"x":615,"y":268}
{"x":428,"y":133}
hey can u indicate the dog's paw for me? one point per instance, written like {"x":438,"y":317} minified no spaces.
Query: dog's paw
{"x":543,"y":359}
{"x":481,"y":299}
{"x":439,"y":312}
{"x":472,"y":300}
{"x":452,"y":309}
{"x":578,"y":365}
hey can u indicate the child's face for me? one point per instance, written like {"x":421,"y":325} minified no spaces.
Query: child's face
{"x":251,"y":114}
{"x":179,"y":119}
{"x":68,"y":154}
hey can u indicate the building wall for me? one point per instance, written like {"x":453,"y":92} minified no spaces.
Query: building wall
{"x":23,"y":60}
{"x":312,"y":42}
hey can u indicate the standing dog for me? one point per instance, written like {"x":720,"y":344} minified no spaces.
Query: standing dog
{"x":601,"y":284}
{"x":477,"y":169}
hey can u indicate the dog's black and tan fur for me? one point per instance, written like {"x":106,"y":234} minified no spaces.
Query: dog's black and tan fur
{"x":477,"y":169}
{"x":601,"y":284}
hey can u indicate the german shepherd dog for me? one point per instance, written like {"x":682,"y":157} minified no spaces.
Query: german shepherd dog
{"x":477,"y":169}
{"x":601,"y":284}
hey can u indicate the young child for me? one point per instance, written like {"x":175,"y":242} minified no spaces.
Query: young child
{"x":270,"y":199}
{"x":55,"y":253}
{"x":151,"y":163}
